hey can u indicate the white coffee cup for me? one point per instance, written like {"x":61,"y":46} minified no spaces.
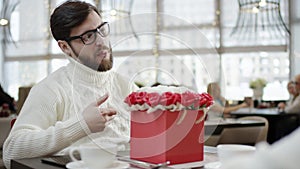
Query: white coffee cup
{"x":95,"y":156}
{"x":229,"y":151}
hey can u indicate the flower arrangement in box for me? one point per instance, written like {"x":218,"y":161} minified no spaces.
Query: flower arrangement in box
{"x":167,"y":123}
{"x":167,"y":98}
{"x":258,"y":83}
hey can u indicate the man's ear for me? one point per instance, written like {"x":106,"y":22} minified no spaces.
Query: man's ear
{"x":64,"y":46}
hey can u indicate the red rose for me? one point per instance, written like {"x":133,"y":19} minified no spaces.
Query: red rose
{"x":197,"y":98}
{"x":206,"y":100}
{"x":169,"y":98}
{"x":141,"y":98}
{"x":211,"y":102}
{"x":188,"y":98}
{"x":208,"y":96}
{"x":202,"y":102}
{"x":153,"y":99}
{"x":176,"y":98}
{"x":136,"y":98}
{"x":130,"y":99}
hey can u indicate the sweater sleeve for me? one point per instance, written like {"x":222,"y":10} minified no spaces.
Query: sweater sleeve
{"x":39,"y":130}
{"x":294,"y":107}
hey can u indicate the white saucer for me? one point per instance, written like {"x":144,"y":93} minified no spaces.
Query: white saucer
{"x":76,"y":165}
{"x":81,"y":165}
{"x":213,"y":165}
{"x":119,"y":165}
{"x":188,"y":165}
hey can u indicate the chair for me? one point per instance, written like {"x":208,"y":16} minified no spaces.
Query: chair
{"x":249,"y":135}
{"x":264,"y":130}
{"x":4,"y":129}
{"x":23,"y":93}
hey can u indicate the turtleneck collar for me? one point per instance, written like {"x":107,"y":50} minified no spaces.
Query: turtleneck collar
{"x":83,"y":73}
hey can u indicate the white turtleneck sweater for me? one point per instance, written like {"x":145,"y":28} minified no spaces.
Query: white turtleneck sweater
{"x":51,"y":118}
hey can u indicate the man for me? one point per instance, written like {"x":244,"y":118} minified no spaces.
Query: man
{"x":294,"y":106}
{"x":79,"y":103}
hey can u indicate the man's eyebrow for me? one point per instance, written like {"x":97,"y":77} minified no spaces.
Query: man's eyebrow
{"x":88,"y":31}
{"x":92,"y":29}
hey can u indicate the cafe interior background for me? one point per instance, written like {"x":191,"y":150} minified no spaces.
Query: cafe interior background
{"x":188,"y":43}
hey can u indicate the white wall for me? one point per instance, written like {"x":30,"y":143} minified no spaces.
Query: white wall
{"x":295,"y":41}
{"x":1,"y":59}
{"x":33,"y":29}
{"x":296,"y":51}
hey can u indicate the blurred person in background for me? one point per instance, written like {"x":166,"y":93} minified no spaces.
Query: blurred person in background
{"x":292,"y":91}
{"x":293,"y":105}
{"x":220,"y":108}
{"x":5,"y":98}
{"x":293,"y":95}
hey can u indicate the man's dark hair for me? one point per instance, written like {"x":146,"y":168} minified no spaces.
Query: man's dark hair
{"x":67,"y":16}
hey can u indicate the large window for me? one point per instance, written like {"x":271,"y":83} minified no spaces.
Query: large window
{"x":188,"y":42}
{"x":241,"y":68}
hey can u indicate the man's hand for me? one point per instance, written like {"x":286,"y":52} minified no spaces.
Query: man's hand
{"x":96,"y":117}
{"x":281,"y":106}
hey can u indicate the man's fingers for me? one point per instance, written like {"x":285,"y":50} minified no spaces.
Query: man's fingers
{"x":108,"y":115}
{"x":108,"y":112}
{"x":102,"y":99}
{"x":111,"y":113}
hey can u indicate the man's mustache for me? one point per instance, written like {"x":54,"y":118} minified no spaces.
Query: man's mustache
{"x":104,"y":48}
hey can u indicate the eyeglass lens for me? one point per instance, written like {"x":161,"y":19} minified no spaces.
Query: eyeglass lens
{"x":90,"y":37}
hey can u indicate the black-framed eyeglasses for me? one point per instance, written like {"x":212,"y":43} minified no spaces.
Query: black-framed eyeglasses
{"x":90,"y":36}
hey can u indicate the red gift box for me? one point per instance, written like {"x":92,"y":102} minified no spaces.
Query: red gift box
{"x":167,"y":126}
{"x":162,"y":136}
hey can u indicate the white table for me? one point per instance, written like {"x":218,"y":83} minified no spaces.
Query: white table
{"x":210,"y":155}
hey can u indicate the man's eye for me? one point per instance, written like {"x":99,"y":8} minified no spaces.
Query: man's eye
{"x":103,"y":31}
{"x":87,"y":36}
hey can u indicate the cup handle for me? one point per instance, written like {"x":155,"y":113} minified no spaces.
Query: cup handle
{"x":71,"y":153}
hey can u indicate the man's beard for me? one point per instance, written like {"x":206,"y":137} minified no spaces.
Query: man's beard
{"x":106,"y":65}
{"x":100,"y":65}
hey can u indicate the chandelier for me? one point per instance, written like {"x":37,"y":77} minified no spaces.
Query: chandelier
{"x":118,"y":11}
{"x":260,"y":19}
{"x":7,"y":8}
